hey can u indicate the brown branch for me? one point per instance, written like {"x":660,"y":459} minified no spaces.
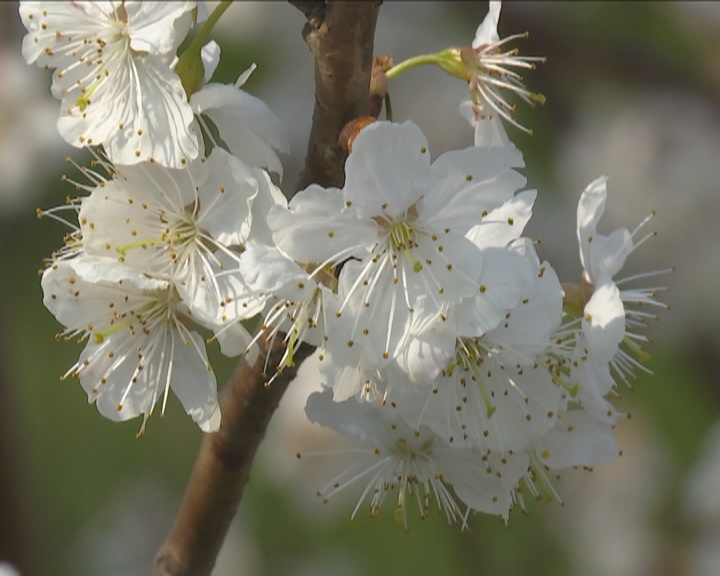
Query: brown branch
{"x":343,"y":49}
{"x":340,"y":35}
{"x":314,"y":11}
{"x":222,"y":468}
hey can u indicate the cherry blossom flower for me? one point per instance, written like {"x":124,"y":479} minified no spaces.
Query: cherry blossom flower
{"x":186,"y":226}
{"x":496,"y":390}
{"x":138,"y":346}
{"x":490,"y":73}
{"x":174,"y":223}
{"x":418,"y":463}
{"x":112,"y":73}
{"x":612,"y":314}
{"x":400,"y":222}
{"x":299,"y":301}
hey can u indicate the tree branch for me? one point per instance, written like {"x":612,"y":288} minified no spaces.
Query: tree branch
{"x":222,"y":468}
{"x":343,"y":48}
{"x":314,"y":11}
{"x":341,"y":36}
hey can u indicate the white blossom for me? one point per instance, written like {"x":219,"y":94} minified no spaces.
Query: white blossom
{"x":298,"y":301}
{"x":112,"y":74}
{"x":138,"y":346}
{"x":400,"y":222}
{"x":180,"y":224}
{"x":490,"y":75}
{"x":497,"y":390}
{"x":420,"y":464}
{"x":612,"y":313}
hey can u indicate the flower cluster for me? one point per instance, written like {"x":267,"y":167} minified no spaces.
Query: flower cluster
{"x":163,"y":213}
{"x":449,"y":349}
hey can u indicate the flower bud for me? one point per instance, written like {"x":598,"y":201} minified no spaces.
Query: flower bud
{"x":351,"y":130}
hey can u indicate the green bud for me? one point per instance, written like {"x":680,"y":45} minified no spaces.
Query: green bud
{"x":191,"y":69}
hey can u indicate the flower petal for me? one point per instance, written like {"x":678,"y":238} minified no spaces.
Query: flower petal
{"x":195,"y":385}
{"x":387,"y":169}
{"x":487,"y":31}
{"x":577,"y":440}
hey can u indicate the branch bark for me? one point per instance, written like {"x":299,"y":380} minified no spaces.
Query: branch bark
{"x":342,"y":43}
{"x":341,"y":36}
{"x":222,"y":468}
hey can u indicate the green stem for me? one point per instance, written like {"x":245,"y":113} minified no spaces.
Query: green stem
{"x":411,"y":63}
{"x":190,"y":68}
{"x":209,"y":24}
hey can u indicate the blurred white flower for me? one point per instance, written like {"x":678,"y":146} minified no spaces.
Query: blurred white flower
{"x":8,"y":570}
{"x":121,"y":537}
{"x":700,"y":494}
{"x":27,"y":135}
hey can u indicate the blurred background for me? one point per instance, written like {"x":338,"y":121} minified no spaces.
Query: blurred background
{"x":633,"y":92}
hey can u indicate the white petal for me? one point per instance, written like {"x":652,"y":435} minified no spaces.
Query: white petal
{"x":78,"y":293}
{"x":234,"y":341}
{"x":346,"y":382}
{"x":380,"y":323}
{"x":466,"y":183}
{"x":210,"y":55}
{"x":216,"y":299}
{"x":268,"y":196}
{"x":428,"y":353}
{"x":504,"y":224}
{"x":527,"y":331}
{"x":489,"y":131}
{"x":195,"y":385}
{"x":577,"y":440}
{"x":387,"y":167}
{"x":589,"y":211}
{"x":266,"y":268}
{"x":158,"y":121}
{"x":245,"y":123}
{"x":226,"y":199}
{"x":350,"y":418}
{"x":484,"y":491}
{"x":44,"y":20}
{"x":600,"y":255}
{"x":607,"y":254}
{"x":107,"y":271}
{"x":317,"y":226}
{"x":153,"y":27}
{"x":509,"y":427}
{"x":108,"y":392}
{"x":487,"y":31}
{"x":594,"y":381}
{"x":506,"y":278}
{"x":604,"y":321}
